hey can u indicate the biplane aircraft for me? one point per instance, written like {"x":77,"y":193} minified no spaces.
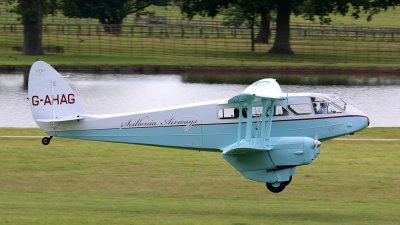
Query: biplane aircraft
{"x":262,"y":132}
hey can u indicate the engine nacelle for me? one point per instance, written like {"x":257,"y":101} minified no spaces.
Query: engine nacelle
{"x":293,"y":151}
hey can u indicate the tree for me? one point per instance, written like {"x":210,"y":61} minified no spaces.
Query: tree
{"x":236,"y":17}
{"x":255,"y":8}
{"x":32,"y":13}
{"x":322,"y":9}
{"x":284,"y":8}
{"x":250,"y":15}
{"x":264,"y":32}
{"x":110,"y":13}
{"x":282,"y":36}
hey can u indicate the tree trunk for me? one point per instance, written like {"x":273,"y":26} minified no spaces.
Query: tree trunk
{"x":252,"y":37}
{"x":265,"y":30}
{"x":112,"y":28}
{"x":112,"y":25}
{"x":282,"y":37}
{"x":32,"y":23}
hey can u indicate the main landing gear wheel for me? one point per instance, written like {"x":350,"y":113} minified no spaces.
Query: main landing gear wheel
{"x":46,"y":140}
{"x":278,"y":186}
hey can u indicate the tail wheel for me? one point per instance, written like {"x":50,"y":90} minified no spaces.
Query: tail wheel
{"x":46,"y":140}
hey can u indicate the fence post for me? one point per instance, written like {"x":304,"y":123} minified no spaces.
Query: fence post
{"x":182,"y":32}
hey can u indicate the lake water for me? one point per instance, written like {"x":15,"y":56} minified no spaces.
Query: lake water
{"x":102,"y":94}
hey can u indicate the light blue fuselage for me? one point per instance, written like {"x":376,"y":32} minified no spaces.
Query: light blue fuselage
{"x":213,"y":135}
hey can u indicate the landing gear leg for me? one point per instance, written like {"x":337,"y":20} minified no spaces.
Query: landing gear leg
{"x":278,"y":186}
{"x":46,"y":140}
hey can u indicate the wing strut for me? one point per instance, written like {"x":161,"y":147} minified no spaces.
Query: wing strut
{"x":269,"y":125}
{"x":239,"y":137}
{"x":263,"y":116}
{"x":249,"y":124}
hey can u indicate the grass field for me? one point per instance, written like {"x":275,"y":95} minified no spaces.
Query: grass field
{"x":86,"y":182}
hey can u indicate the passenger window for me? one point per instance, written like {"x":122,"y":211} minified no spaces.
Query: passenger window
{"x":257,"y":111}
{"x":228,"y":113}
{"x":280,"y":111}
{"x":300,"y":109}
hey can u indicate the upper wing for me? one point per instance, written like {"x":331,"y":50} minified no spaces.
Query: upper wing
{"x":262,"y":89}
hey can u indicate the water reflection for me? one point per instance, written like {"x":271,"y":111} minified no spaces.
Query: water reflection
{"x":102,"y":94}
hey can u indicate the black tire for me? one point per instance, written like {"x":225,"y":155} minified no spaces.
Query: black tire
{"x":287,"y":182}
{"x":276,"y":187}
{"x":46,"y":140}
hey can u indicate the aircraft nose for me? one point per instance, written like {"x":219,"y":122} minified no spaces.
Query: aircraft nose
{"x":365,"y":119}
{"x":365,"y":122}
{"x":361,"y":119}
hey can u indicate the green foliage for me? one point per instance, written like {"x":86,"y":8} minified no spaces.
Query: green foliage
{"x":30,"y":9}
{"x":107,"y":11}
{"x":324,"y":9}
{"x":283,"y":8}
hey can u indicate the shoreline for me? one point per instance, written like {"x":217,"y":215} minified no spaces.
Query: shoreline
{"x":192,"y":69}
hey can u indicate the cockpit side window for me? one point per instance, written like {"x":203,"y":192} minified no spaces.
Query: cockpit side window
{"x":334,"y":109}
{"x":319,"y":105}
{"x":338,"y":105}
{"x":322,"y":106}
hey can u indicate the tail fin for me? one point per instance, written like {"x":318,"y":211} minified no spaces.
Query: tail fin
{"x":51,"y":98}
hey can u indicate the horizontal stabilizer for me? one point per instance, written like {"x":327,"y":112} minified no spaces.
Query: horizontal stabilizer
{"x":64,"y":119}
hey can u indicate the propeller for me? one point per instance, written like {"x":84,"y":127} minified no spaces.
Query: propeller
{"x":317,"y":144}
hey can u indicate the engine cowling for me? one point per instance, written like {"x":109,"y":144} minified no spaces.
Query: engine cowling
{"x":293,"y":151}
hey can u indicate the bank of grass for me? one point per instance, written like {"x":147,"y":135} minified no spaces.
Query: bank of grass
{"x":86,"y":182}
{"x":303,"y":58}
